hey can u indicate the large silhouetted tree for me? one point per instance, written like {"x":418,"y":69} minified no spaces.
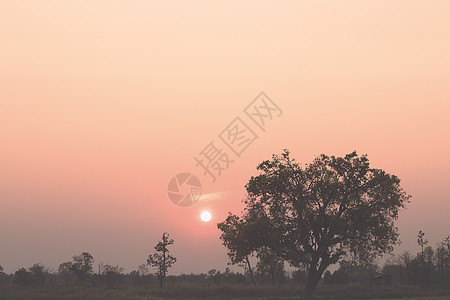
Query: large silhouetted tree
{"x":315,"y":214}
{"x":161,"y":259}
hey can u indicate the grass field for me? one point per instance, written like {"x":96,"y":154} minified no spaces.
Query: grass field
{"x":227,"y":292}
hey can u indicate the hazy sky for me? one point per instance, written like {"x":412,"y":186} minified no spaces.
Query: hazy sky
{"x":102,"y":102}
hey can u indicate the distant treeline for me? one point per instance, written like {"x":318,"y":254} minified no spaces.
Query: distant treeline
{"x":430,"y":266}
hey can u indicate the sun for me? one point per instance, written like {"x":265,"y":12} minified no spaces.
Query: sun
{"x":205,"y":216}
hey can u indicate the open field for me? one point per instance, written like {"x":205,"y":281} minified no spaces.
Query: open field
{"x":227,"y":292}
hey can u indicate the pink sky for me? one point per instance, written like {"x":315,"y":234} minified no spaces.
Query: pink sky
{"x":102,"y":102}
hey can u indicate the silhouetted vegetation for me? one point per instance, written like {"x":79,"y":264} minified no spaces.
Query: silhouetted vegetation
{"x":314,"y":216}
{"x":426,"y":273}
{"x":162,"y":260}
{"x":298,"y":221}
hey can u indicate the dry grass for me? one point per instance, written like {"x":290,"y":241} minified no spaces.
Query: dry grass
{"x":226,"y":292}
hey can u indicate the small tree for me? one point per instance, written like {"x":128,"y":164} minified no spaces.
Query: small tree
{"x":421,"y":241}
{"x":39,"y":273}
{"x":23,"y":278}
{"x":442,"y":258}
{"x":82,"y":265}
{"x":143,"y":270}
{"x":112,"y":274}
{"x":3,"y":277}
{"x":161,"y":259}
{"x":65,"y":267}
{"x":65,"y":273}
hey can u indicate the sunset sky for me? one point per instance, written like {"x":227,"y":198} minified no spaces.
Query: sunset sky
{"x":103,"y":102}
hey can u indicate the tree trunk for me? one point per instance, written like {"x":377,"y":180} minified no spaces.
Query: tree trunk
{"x":314,"y":276}
{"x":311,"y":284}
{"x":161,"y":281}
{"x":251,"y":271}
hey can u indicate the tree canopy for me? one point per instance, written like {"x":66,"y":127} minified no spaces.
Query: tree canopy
{"x":161,"y":259}
{"x":316,"y":214}
{"x":81,"y":266}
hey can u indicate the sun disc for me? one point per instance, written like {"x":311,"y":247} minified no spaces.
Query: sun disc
{"x":205,"y":216}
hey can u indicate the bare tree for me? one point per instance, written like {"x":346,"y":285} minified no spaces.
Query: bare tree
{"x":161,"y":259}
{"x":421,"y":240}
